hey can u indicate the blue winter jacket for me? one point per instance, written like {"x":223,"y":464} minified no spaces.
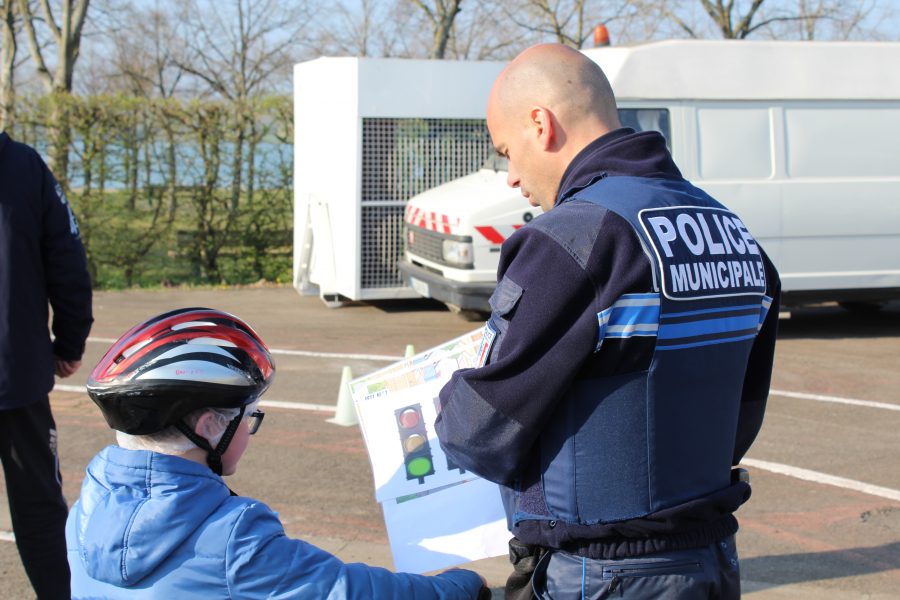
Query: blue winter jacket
{"x":151,"y":525}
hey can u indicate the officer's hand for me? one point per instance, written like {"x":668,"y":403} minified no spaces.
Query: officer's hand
{"x":64,"y":368}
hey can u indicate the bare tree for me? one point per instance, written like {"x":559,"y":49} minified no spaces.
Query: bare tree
{"x":795,"y":19}
{"x":142,"y":52}
{"x":372,"y":28}
{"x":571,"y":22}
{"x":565,"y":23}
{"x":240,"y":51}
{"x":7,"y":62}
{"x":833,"y":20}
{"x":350,"y":31}
{"x":237,"y":49}
{"x":484,"y":32}
{"x":65,"y":35}
{"x":441,"y":15}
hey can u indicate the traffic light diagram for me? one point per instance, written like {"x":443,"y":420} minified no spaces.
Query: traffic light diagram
{"x":414,"y":441}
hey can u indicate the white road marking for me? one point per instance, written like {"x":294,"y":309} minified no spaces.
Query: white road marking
{"x":270,"y":403}
{"x":824,"y":478}
{"x":297,"y":405}
{"x":61,"y":387}
{"x":782,"y":469}
{"x":378,"y":357}
{"x":7,"y":536}
{"x":322,"y":407}
{"x":836,"y":399}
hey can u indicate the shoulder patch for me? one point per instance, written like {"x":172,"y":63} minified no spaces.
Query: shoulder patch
{"x":703,"y":252}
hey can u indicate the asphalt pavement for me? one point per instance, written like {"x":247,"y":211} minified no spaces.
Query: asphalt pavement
{"x":823,"y":522}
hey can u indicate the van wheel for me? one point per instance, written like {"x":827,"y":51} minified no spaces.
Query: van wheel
{"x":861,"y":308}
{"x":474,"y":315}
{"x":468,"y":314}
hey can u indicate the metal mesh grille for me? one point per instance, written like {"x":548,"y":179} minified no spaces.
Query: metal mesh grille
{"x":401,"y":158}
{"x":427,"y":244}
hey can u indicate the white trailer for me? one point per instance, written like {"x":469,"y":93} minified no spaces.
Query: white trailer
{"x":802,"y":139}
{"x":370,"y":134}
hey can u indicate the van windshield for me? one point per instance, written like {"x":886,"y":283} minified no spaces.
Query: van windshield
{"x":647,"y":119}
{"x":639,"y":119}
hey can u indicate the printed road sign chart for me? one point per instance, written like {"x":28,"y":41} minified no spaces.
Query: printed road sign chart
{"x":437,"y":514}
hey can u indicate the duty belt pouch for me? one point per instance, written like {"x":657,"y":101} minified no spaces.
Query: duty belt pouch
{"x":524,"y":558}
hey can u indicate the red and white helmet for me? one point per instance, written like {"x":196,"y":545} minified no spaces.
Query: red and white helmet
{"x":178,"y":362}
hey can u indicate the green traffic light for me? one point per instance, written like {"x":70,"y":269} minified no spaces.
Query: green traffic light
{"x":419,"y":467}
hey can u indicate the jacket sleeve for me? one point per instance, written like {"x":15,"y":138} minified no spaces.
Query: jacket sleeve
{"x":545,"y":319}
{"x":65,"y":269}
{"x":759,"y":370}
{"x":262,"y":562}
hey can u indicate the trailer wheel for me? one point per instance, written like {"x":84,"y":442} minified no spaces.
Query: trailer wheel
{"x":862,"y":308}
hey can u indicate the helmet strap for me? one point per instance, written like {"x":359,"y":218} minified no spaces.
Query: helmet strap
{"x":213,"y":455}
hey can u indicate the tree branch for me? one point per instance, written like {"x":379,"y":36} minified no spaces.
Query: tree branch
{"x":33,"y":46}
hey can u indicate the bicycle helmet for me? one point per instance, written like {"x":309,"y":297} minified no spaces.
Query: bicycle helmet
{"x":176,"y":363}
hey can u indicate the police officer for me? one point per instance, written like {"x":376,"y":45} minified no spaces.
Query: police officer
{"x":628,"y":353}
{"x":41,"y":259}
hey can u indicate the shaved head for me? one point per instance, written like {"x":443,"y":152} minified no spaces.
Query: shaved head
{"x":560,"y":78}
{"x":547,"y":105}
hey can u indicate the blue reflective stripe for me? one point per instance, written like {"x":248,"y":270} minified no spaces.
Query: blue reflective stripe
{"x":630,"y":315}
{"x":713,"y":310}
{"x":638,"y":315}
{"x":707,"y":342}
{"x":708,"y":326}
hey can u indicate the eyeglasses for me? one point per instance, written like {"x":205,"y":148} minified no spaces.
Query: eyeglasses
{"x":254,"y":420}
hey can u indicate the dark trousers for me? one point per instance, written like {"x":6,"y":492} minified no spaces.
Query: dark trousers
{"x":704,"y":573}
{"x":36,"y":503}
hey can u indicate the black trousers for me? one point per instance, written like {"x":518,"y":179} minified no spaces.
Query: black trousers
{"x":36,"y":503}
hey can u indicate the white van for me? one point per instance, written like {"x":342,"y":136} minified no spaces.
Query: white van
{"x":801,"y":139}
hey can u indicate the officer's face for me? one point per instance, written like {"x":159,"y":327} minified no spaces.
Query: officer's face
{"x":515,"y":137}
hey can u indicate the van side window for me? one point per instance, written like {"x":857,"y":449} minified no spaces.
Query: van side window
{"x":647,"y":119}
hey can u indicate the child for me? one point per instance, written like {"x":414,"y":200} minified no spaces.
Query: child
{"x":155,"y":519}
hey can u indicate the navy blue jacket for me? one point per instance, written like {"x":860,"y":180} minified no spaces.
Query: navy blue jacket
{"x":41,"y":259}
{"x":559,"y":367}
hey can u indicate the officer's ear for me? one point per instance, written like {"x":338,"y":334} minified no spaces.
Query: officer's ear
{"x":543,"y":126}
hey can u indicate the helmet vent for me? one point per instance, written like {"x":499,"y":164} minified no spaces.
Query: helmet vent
{"x":180,"y":326}
{"x":131,"y":350}
{"x":208,"y":341}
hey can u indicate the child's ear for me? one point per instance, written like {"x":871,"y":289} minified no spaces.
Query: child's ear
{"x":203,"y":428}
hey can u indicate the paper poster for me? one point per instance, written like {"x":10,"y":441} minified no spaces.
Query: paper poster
{"x":437,"y":514}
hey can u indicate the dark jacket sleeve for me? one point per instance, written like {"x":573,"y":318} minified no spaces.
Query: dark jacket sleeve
{"x":65,"y":269}
{"x":546,"y":317}
{"x":759,"y":370}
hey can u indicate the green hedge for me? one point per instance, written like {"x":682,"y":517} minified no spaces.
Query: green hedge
{"x":172,"y":191}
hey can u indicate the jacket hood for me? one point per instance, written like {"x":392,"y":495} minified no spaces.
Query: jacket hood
{"x":136,"y":508}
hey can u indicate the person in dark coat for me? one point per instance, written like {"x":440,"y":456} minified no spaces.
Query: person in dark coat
{"x":42,"y":264}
